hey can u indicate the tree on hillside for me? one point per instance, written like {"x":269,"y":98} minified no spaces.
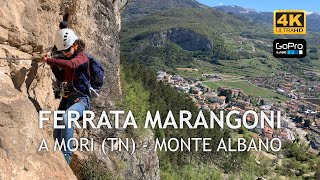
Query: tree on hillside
{"x":227,"y":93}
{"x":307,"y":123}
{"x":298,"y":119}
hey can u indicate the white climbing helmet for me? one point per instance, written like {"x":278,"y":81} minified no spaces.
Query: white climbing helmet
{"x":64,"y":39}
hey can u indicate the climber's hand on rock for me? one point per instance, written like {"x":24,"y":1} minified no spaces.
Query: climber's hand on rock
{"x":36,"y":57}
{"x":44,"y":58}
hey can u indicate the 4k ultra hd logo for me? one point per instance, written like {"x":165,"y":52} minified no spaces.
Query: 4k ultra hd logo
{"x":290,"y":22}
{"x":289,"y":48}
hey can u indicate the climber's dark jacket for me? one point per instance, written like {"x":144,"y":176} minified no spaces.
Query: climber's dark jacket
{"x":71,"y":69}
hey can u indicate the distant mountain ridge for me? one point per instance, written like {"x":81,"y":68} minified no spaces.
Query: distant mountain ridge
{"x":138,"y":8}
{"x":313,"y":18}
{"x":235,"y":9}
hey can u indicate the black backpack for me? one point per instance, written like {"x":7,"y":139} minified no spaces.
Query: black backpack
{"x":92,"y":84}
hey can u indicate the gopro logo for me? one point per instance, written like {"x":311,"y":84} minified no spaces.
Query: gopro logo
{"x":289,"y":48}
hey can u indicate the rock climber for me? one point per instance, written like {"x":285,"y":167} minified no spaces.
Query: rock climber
{"x":76,"y":95}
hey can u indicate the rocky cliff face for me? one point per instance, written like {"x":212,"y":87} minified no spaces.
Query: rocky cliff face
{"x":185,"y":38}
{"x":26,"y":87}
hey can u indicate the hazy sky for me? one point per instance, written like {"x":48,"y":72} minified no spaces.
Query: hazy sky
{"x":269,"y":5}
